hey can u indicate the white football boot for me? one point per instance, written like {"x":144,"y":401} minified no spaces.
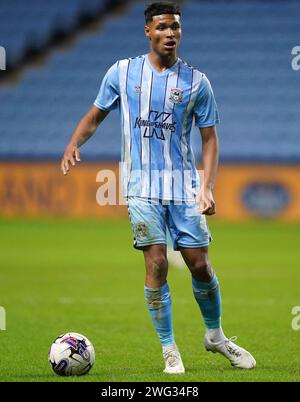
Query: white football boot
{"x":237,"y":356}
{"x":173,"y":360}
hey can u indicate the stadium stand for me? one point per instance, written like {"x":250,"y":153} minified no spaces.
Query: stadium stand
{"x":30,"y":24}
{"x":243,"y":47}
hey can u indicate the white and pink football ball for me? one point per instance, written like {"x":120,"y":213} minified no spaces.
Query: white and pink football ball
{"x":71,"y":354}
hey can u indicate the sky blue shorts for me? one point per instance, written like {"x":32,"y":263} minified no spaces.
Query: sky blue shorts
{"x":150,"y":220}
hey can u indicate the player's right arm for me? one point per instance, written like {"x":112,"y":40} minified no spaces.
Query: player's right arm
{"x":107,"y":100}
{"x":84,"y":130}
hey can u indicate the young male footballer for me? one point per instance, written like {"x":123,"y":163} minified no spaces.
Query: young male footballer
{"x":159,"y":96}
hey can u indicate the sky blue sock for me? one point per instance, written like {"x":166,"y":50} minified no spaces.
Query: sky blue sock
{"x":159,"y":305}
{"x":208,"y":297}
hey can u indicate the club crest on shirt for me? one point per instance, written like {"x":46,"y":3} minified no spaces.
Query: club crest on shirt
{"x":176,"y":95}
{"x":137,"y":89}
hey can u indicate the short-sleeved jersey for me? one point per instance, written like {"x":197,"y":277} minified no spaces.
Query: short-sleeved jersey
{"x":157,"y":114}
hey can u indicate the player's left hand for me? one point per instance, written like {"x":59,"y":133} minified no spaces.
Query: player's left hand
{"x":209,"y":205}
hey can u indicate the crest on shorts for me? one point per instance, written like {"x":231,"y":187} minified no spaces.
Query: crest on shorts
{"x":176,"y":95}
{"x":141,"y":230}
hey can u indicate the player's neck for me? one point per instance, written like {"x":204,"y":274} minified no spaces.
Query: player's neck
{"x":162,"y":63}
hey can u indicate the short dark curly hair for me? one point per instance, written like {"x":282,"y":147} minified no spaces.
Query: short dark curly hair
{"x":160,"y":8}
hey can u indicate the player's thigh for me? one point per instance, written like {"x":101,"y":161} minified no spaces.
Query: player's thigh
{"x":198,"y":263}
{"x":148,"y":222}
{"x":195,"y":257}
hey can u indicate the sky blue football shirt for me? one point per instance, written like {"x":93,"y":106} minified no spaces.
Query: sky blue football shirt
{"x":157,"y":114}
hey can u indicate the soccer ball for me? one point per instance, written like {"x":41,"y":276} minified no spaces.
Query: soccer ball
{"x":71,"y":354}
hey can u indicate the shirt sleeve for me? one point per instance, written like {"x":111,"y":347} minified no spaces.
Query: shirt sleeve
{"x":205,"y":110}
{"x":109,"y":93}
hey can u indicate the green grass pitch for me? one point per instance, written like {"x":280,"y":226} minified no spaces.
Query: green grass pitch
{"x":84,"y":276}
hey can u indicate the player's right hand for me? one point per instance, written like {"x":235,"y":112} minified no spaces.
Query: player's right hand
{"x":71,"y":156}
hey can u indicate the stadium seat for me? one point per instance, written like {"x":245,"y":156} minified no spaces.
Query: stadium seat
{"x":31,"y":24}
{"x":243,"y":47}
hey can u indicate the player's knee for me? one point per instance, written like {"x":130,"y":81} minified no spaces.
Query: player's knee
{"x":158,"y":267}
{"x":201,"y":269}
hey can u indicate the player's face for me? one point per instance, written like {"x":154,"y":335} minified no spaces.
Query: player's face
{"x":164,"y":31}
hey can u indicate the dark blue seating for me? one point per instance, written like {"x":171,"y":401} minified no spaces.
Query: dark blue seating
{"x":244,"y":47}
{"x":30,"y":23}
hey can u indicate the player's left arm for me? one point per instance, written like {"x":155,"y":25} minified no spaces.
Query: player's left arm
{"x":210,"y":159}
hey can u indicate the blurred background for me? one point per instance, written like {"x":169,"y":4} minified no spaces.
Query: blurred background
{"x":61,"y":251}
{"x":57,"y":53}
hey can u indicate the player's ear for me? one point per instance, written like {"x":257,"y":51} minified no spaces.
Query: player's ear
{"x":147,"y":32}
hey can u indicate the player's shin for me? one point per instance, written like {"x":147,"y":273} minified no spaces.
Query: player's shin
{"x":159,"y":305}
{"x":208,"y":297}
